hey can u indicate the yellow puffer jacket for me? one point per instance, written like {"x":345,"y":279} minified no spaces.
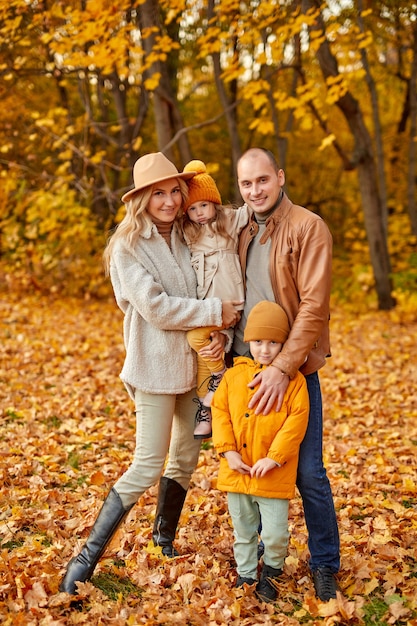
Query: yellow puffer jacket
{"x":277,"y":435}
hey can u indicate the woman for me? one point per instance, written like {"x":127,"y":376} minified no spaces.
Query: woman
{"x":155,"y":286}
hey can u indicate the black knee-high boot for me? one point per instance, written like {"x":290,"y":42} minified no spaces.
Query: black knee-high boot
{"x":81,"y":567}
{"x":171,"y":498}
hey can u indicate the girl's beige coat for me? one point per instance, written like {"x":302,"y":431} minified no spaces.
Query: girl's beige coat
{"x":215,"y":259}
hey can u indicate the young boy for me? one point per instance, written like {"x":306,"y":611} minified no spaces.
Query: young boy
{"x":259,"y":453}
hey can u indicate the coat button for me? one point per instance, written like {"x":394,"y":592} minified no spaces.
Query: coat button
{"x":244,"y":445}
{"x":246,"y":414}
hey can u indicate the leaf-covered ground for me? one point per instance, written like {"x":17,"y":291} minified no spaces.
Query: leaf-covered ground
{"x":67,"y":433}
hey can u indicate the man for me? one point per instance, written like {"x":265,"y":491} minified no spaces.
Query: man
{"x":286,"y":254}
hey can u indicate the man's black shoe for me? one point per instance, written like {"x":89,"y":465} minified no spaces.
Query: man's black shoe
{"x":324,"y":583}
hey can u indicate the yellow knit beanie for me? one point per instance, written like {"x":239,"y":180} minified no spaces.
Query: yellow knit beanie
{"x":267,"y":320}
{"x":201,"y":186}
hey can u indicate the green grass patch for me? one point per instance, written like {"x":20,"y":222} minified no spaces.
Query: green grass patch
{"x":374,"y":612}
{"x":12,"y":544}
{"x":409,"y":503}
{"x":114,"y":586}
{"x":53,"y":422}
{"x":74,"y":460}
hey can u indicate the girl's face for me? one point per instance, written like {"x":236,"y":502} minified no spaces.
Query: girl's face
{"x":165,"y":201}
{"x":201,"y":212}
{"x":264,"y":351}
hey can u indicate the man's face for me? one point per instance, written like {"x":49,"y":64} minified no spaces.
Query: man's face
{"x":259,"y":183}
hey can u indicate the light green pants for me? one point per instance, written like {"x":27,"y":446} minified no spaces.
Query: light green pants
{"x":164,"y":426}
{"x":246,"y":512}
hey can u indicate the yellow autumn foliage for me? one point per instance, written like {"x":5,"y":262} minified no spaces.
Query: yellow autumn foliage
{"x":54,"y":242}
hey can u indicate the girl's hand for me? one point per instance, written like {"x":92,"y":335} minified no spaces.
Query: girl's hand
{"x":230,"y":314}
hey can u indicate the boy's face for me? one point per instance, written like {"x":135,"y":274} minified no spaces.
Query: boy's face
{"x":264,"y":351}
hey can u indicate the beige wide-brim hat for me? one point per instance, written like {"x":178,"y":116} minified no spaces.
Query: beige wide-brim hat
{"x":153,"y":168}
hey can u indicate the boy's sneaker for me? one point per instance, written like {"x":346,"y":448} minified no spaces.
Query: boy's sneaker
{"x":265,"y":589}
{"x":242,"y":580}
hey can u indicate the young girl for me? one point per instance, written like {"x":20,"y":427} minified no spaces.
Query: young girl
{"x":211,"y":232}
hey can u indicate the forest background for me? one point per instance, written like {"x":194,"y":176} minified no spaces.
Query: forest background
{"x":87,"y":86}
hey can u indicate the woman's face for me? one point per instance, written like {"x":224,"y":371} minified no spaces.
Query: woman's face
{"x":165,"y":201}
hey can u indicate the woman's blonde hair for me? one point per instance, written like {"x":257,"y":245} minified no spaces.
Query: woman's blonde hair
{"x":136,"y":220}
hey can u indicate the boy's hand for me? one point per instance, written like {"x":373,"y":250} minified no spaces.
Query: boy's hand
{"x":235,"y":462}
{"x":262,"y":467}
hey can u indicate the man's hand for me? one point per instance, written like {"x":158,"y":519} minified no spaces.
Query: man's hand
{"x":272,"y":387}
{"x":262,"y":467}
{"x":235,"y":462}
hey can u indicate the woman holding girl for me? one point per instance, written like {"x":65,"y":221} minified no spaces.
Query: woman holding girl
{"x":155,"y":287}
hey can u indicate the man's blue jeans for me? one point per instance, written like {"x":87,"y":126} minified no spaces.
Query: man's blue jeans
{"x":314,"y":487}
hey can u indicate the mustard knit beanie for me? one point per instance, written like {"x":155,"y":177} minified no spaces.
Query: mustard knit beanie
{"x":201,"y":186}
{"x":267,"y":320}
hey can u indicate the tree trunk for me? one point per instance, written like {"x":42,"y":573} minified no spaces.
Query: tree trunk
{"x":167,"y":116}
{"x":367,"y":172}
{"x":227,"y":105}
{"x":377,"y":126}
{"x":411,"y":179}
{"x":280,"y":138}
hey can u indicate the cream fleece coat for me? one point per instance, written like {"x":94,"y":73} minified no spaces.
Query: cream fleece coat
{"x":155,"y":287}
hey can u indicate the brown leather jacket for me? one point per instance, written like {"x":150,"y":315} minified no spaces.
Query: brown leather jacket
{"x":300,"y":271}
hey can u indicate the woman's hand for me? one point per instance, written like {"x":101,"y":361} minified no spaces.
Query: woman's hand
{"x":230,"y":314}
{"x":272,"y":387}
